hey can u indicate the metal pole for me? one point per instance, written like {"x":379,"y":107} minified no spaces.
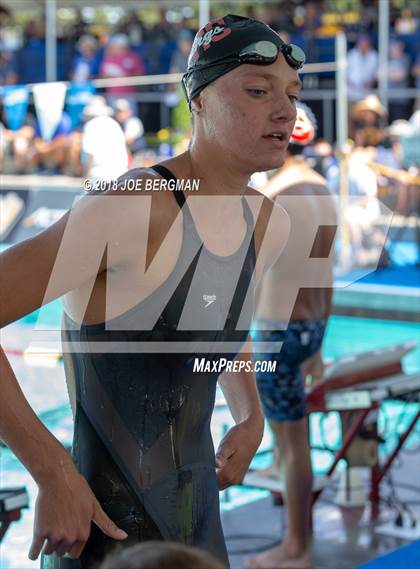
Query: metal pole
{"x":341,"y":89}
{"x":383,"y":46}
{"x":204,"y":12}
{"x":342,"y":136}
{"x":327,"y":121}
{"x":50,"y":40}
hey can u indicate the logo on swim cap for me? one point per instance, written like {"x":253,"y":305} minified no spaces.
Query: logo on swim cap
{"x":214,"y":31}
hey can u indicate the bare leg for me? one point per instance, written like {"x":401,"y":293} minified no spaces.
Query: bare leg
{"x":292,"y":440}
{"x":276,"y":468}
{"x":75,"y":144}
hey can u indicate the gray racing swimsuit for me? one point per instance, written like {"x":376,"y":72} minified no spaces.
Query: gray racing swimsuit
{"x":142,"y":427}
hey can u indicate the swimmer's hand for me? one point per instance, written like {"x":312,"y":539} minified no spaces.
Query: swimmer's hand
{"x":236,"y":450}
{"x":313,"y":369}
{"x":64,"y":510}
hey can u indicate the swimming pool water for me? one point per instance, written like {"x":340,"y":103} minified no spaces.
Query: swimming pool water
{"x":345,"y":336}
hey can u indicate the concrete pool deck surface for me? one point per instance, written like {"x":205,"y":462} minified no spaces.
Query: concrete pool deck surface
{"x":344,"y":538}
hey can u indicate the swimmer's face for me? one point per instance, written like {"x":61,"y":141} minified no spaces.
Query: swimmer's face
{"x":242,"y":108}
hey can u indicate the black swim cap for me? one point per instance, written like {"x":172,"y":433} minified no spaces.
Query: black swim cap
{"x":219,"y":40}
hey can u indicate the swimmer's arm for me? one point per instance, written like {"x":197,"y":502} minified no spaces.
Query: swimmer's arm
{"x":64,"y":257}
{"x":328,"y":249}
{"x":240,"y":389}
{"x":314,"y":366}
{"x":29,"y":280}
{"x":241,"y":442}
{"x":26,"y":285}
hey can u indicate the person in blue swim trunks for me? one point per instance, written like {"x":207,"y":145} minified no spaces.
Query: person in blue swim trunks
{"x":282,"y":392}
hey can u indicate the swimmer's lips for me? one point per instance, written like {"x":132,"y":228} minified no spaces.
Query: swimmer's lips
{"x":278,"y":138}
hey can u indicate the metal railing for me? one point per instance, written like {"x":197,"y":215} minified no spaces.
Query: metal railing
{"x":327,"y":96}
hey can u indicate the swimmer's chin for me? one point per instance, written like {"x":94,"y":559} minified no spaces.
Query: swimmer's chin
{"x":272,"y":164}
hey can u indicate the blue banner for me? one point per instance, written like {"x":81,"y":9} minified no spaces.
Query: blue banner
{"x":78,"y":96}
{"x":15,"y":103}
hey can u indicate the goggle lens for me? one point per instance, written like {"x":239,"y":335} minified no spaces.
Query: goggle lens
{"x":266,"y":52}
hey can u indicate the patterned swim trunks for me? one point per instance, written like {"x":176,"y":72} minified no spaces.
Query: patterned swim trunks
{"x":282,"y":392}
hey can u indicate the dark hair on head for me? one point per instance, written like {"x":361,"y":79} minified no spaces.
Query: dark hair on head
{"x":295,"y":149}
{"x":161,"y":555}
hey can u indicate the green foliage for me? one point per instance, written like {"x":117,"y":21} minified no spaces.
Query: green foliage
{"x":181,"y":116}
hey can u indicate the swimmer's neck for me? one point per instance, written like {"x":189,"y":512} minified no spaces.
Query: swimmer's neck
{"x":216,"y":172}
{"x":292,"y":161}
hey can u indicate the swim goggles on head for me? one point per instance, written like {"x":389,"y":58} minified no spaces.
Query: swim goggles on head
{"x":266,"y":52}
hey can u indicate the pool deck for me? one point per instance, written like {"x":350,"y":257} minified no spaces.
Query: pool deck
{"x":374,"y":300}
{"x":343,"y":538}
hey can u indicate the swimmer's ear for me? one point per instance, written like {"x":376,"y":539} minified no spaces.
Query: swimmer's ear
{"x":197,"y":104}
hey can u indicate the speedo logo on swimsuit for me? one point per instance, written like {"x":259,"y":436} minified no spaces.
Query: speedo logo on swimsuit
{"x":209,"y":299}
{"x":207,"y":35}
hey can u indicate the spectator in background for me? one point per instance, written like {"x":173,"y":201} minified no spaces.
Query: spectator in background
{"x":85,"y":63}
{"x":8,"y":74}
{"x":120,"y":61}
{"x":161,"y":555}
{"x":185,"y":24}
{"x":132,"y":126}
{"x":4,"y":142}
{"x":405,"y":23}
{"x":362,"y":68}
{"x":15,"y":144}
{"x":163,"y":30}
{"x":415,"y":72}
{"x":398,"y":78}
{"x":320,"y":156}
{"x":50,"y":157}
{"x":133,"y":28}
{"x":179,"y":64}
{"x":368,"y":122}
{"x":31,"y":58}
{"x":33,"y":32}
{"x":104,"y":152}
{"x":404,"y":194}
{"x":363,"y":208}
{"x":21,"y":141}
{"x":79,"y":27}
{"x":162,"y":45}
{"x":30,"y":151}
{"x":313,"y":12}
{"x":179,"y":61}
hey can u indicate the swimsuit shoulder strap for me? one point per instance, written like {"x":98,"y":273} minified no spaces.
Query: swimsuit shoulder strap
{"x":168,"y":175}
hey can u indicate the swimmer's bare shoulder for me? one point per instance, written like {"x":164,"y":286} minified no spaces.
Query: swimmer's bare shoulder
{"x":68,"y":249}
{"x":296,"y":181}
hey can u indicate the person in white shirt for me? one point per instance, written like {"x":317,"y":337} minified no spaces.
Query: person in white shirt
{"x":132,"y":126}
{"x":104,"y":149}
{"x":362,"y":69}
